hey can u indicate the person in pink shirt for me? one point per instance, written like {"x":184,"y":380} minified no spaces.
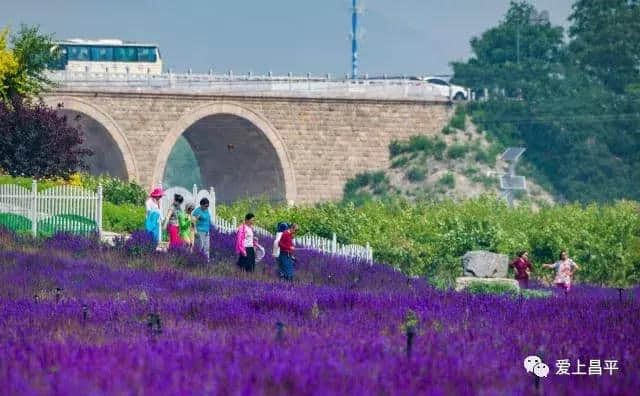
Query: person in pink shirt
{"x":246,"y":244}
{"x":565,"y":269}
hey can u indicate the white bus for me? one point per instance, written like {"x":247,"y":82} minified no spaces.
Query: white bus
{"x":112,"y":56}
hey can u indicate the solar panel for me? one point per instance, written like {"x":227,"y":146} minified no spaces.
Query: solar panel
{"x":512,"y":153}
{"x":508,"y":182}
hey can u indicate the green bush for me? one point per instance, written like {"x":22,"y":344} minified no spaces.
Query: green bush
{"x":418,"y":144}
{"x":471,"y":171}
{"x":487,"y":181}
{"x":481,"y":287}
{"x":448,"y":180}
{"x":447,"y":130}
{"x":508,"y":289}
{"x":457,"y":150}
{"x":122,"y":218}
{"x":458,"y":121}
{"x":396,"y":148}
{"x":416,"y":174}
{"x":115,"y":190}
{"x":377,"y":181}
{"x":481,"y":156}
{"x":399,"y":162}
{"x":26,"y":182}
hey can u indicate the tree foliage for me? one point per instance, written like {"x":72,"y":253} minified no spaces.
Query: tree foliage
{"x":577,"y":115}
{"x":35,"y":141}
{"x":22,"y":66}
{"x":606,"y":41}
{"x":8,"y":66}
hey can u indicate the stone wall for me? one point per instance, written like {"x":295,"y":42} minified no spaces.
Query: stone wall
{"x":320,"y":143}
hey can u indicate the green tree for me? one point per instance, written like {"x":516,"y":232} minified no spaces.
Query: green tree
{"x":8,"y":66}
{"x":580,"y":133}
{"x":605,"y":41}
{"x":519,"y":67}
{"x":31,"y":52}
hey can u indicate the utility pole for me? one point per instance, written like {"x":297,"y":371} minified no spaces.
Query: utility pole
{"x":355,"y":31}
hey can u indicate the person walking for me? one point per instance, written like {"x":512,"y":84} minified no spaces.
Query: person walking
{"x":523,"y":268}
{"x":286,"y":258}
{"x":246,"y":244}
{"x":565,"y":269}
{"x":154,"y":215}
{"x":202,"y":219}
{"x":282,"y":227}
{"x":173,"y":227}
{"x":185,"y":223}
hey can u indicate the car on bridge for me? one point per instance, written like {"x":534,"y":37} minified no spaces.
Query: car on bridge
{"x":445,"y":88}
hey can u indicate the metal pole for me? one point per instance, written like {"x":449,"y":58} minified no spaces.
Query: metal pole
{"x":34,"y":208}
{"x":354,"y":41}
{"x":99,"y":211}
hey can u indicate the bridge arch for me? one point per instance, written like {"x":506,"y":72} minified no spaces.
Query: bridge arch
{"x":102,"y":132}
{"x":224,"y":137}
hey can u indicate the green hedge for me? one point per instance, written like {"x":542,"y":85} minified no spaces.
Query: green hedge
{"x":122,"y":218}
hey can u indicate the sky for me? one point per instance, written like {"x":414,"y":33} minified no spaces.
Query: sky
{"x":399,"y":37}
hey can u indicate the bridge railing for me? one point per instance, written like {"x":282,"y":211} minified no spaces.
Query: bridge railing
{"x":260,"y":85}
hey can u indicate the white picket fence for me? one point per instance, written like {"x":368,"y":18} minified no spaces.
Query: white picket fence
{"x":312,"y":242}
{"x":60,"y":208}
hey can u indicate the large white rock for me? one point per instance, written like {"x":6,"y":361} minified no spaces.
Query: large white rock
{"x":482,"y":264}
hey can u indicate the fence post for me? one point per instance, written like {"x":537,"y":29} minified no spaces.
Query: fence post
{"x":369,"y":253}
{"x":194,"y":191}
{"x":34,"y":208}
{"x":212,"y":204}
{"x":99,"y":211}
{"x":234,"y":222}
{"x":334,"y":243}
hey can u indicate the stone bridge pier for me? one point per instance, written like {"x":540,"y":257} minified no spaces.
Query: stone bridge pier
{"x":287,"y":148}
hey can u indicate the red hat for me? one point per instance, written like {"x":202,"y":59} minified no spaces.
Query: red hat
{"x":157,"y":193}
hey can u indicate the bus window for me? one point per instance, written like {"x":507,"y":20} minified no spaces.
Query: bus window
{"x":146,"y":54}
{"x":125,"y":54}
{"x":102,"y":54}
{"x":59,"y":62}
{"x":77,"y":53}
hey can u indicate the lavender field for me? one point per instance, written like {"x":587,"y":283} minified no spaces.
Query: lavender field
{"x":77,"y":318}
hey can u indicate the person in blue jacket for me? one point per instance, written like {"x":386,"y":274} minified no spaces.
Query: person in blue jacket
{"x":154,"y":216}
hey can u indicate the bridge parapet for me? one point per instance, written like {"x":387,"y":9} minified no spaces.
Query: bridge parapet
{"x":250,"y":85}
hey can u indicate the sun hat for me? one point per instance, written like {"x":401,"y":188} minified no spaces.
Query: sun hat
{"x":157,"y":193}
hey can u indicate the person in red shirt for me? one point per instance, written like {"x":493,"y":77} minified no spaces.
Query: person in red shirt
{"x":286,"y":258}
{"x":523,"y":268}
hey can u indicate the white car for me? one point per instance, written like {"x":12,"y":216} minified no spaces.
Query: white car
{"x":455,"y":92}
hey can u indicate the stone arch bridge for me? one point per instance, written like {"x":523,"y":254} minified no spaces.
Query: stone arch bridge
{"x":289,"y":146}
